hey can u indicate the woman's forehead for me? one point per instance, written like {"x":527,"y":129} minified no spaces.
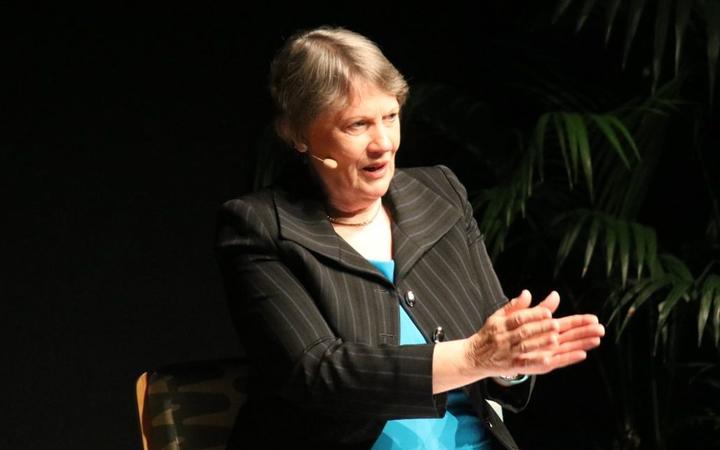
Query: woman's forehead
{"x":364,"y":98}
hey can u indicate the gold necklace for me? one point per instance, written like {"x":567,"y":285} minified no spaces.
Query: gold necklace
{"x":337,"y":221}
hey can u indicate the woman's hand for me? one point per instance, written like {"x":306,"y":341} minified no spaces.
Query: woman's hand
{"x":516,"y":339}
{"x":520,"y":339}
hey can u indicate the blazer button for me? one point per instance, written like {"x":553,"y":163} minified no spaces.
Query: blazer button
{"x":410,"y":299}
{"x":438,"y":335}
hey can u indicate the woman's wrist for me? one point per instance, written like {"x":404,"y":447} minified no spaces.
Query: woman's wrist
{"x":474,"y":352}
{"x":452,"y":365}
{"x":470,"y":364}
{"x":471,"y":360}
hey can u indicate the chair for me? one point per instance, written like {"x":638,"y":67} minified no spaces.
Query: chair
{"x":191,"y":406}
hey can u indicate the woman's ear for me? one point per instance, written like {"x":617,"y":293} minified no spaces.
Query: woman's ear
{"x":302,"y":148}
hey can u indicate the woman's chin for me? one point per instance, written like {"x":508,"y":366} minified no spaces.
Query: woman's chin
{"x":377,"y":188}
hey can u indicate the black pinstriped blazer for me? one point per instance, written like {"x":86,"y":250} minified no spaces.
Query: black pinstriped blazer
{"x":322,"y":324}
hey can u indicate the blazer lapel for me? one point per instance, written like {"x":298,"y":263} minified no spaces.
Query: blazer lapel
{"x":420,"y":217}
{"x":303,"y":220}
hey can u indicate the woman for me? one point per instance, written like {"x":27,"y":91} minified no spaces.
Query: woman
{"x":364,"y":294}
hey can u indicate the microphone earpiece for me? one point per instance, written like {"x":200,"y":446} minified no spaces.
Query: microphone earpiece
{"x":327,"y":162}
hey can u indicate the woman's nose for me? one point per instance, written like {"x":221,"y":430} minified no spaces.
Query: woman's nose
{"x":382,"y":140}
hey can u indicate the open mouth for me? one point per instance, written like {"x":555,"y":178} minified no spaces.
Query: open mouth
{"x":374,"y":167}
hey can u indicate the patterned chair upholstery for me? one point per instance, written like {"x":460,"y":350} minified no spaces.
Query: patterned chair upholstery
{"x":191,"y":406}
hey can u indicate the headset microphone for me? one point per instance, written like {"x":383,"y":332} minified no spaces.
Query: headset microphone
{"x":327,"y":162}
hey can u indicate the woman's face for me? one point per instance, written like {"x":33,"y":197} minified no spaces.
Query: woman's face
{"x":363,"y":138}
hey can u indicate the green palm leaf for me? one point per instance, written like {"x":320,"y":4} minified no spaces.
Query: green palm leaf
{"x":634,"y":13}
{"x":610,"y":239}
{"x":560,"y":9}
{"x":501,"y":206}
{"x":605,"y":125}
{"x":629,"y":240}
{"x":584,"y":13}
{"x":682,"y":15}
{"x":710,"y":291}
{"x":641,"y":237}
{"x":561,"y":135}
{"x":592,"y":239}
{"x":572,"y":130}
{"x":610,"y":15}
{"x":630,"y":294}
{"x":540,"y":130}
{"x":712,"y":14}
{"x":572,"y":133}
{"x":666,"y":306}
{"x":653,"y":263}
{"x":568,"y":241}
{"x":623,"y":233}
{"x":676,"y":268}
{"x":662,"y":20}
{"x":652,"y":288}
{"x":678,"y":279}
{"x":584,"y":150}
{"x":716,"y":320}
{"x":625,"y":132}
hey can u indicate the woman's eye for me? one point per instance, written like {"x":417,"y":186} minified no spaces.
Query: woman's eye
{"x":391,"y":117}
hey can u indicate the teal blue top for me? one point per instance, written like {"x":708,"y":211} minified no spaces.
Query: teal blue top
{"x":460,"y":428}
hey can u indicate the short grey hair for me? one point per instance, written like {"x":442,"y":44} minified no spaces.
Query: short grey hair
{"x":315,"y":70}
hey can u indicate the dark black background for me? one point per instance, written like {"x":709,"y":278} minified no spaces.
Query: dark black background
{"x":126,"y":127}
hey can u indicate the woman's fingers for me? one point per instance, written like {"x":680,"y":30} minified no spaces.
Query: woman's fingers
{"x":571,"y":348}
{"x":520,"y":302}
{"x":551,"y":302}
{"x":577,"y":320}
{"x":579,"y":344}
{"x":566,"y":359}
{"x":546,"y":341}
{"x":582,"y":332}
{"x":520,"y":318}
{"x":533,"y":330}
{"x":523,"y":301}
{"x":543,"y":362}
{"x":517,"y":312}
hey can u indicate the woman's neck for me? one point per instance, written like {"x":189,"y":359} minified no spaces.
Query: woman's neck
{"x":372,"y":240}
{"x":354,"y":215}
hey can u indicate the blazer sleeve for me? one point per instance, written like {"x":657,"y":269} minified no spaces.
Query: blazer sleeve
{"x":514,"y":398}
{"x":318,"y":369}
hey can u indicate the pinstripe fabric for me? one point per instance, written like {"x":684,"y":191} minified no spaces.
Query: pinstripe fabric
{"x":322,"y":323}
